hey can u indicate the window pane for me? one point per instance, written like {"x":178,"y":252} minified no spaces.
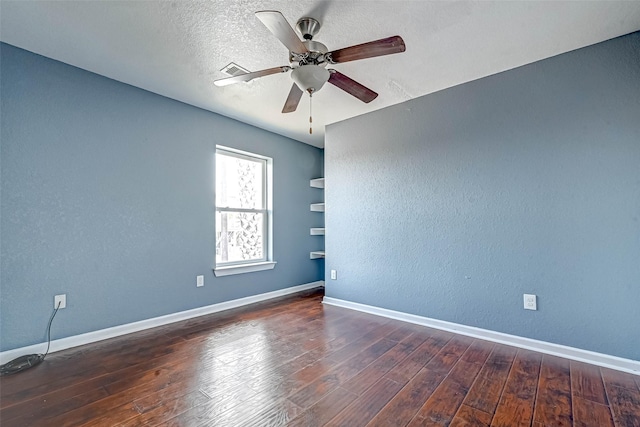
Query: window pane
{"x":239,"y":182}
{"x":239,"y":236}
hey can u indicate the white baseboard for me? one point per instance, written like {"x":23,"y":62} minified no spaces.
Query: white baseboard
{"x":600,"y":359}
{"x":103,"y":334}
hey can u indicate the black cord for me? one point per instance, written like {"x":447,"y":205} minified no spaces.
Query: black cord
{"x":23,"y":363}
{"x":49,"y":330}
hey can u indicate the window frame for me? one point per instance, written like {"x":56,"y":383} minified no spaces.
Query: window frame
{"x":266,"y":262}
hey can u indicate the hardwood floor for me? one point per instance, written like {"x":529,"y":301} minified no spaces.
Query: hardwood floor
{"x":294,"y":361}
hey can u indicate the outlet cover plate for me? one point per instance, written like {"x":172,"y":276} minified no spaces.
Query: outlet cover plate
{"x":530,"y":302}
{"x":61,"y":299}
{"x":199,"y":281}
{"x":334,"y":274}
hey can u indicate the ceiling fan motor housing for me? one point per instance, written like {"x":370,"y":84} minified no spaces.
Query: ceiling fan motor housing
{"x":315,"y":56}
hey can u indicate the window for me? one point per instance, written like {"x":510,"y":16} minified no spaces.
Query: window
{"x":243,"y":212}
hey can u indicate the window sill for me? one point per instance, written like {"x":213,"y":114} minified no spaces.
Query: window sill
{"x":245,"y":268}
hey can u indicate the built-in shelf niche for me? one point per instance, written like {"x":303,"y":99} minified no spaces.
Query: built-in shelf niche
{"x":317,"y":183}
{"x":317,"y":207}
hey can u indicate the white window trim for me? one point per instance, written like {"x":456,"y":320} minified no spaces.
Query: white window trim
{"x":243,"y":268}
{"x":268,"y":263}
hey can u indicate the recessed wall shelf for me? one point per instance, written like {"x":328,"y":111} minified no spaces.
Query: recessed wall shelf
{"x":317,"y":183}
{"x":317,"y":207}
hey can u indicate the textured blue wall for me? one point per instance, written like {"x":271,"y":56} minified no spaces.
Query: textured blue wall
{"x":108,"y":196}
{"x":453,"y":205}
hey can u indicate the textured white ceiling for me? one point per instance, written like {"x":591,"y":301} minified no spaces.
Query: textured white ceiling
{"x":176,"y":48}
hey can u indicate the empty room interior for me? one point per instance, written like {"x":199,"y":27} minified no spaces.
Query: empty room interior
{"x":345,"y":213}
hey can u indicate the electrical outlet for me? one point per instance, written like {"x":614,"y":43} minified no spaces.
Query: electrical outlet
{"x":199,"y":281}
{"x":60,"y":301}
{"x":334,"y":274}
{"x":530,"y":302}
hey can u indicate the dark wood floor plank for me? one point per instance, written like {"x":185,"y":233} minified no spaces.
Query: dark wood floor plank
{"x":553,"y":403}
{"x":358,"y":345}
{"x":586,"y":382}
{"x":478,"y":352}
{"x":324,"y":410}
{"x":450,"y":354}
{"x":14,"y":394}
{"x":294,"y":361}
{"x":464,"y":373}
{"x":280,"y":413}
{"x":372,"y":373}
{"x":141,"y":379}
{"x":54,"y":373}
{"x":313,"y":392}
{"x":402,"y":332}
{"x":366,"y":406}
{"x":130,"y":414}
{"x":174,"y":403}
{"x":404,"y":405}
{"x":282,"y":382}
{"x":120,"y":403}
{"x":618,"y":379}
{"x":625,"y":405}
{"x":485,"y":393}
{"x":410,"y":366}
{"x":470,"y":417}
{"x":223,"y":409}
{"x":442,"y":405}
{"x":518,"y":396}
{"x":219,"y":388}
{"x":297,"y":373}
{"x":587,"y":413}
{"x":52,"y":405}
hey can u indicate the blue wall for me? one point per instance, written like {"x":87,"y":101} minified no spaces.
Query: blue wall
{"x":108,"y":196}
{"x":455,"y":204}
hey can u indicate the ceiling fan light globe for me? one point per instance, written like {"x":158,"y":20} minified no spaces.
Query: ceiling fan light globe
{"x":310,"y":77}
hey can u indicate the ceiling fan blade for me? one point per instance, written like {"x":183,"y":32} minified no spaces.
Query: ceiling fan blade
{"x":372,"y":49}
{"x":278,"y":25}
{"x":250,"y":76}
{"x":352,"y":87}
{"x":293,"y":99}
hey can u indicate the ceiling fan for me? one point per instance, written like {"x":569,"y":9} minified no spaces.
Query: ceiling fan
{"x":309,"y":58}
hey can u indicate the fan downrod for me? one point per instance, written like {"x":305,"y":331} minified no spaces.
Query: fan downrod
{"x":308,"y":27}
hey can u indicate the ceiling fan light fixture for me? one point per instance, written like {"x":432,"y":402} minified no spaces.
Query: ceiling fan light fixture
{"x":309,"y":58}
{"x":310,"y":78}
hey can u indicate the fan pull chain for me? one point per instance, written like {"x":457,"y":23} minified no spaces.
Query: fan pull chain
{"x":310,"y":113}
